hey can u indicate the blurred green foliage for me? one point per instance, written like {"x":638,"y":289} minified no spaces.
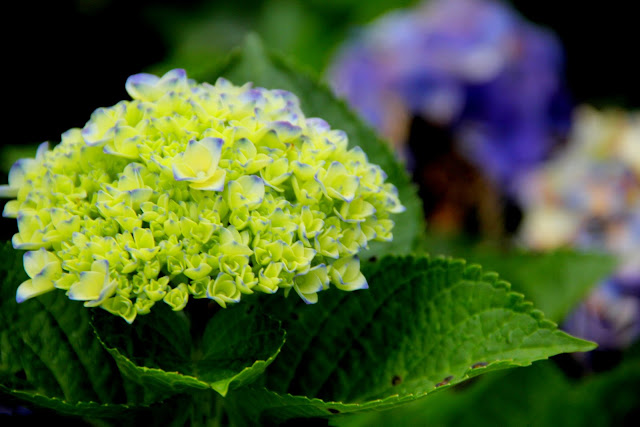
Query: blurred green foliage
{"x":308,"y":31}
{"x":9,"y":154}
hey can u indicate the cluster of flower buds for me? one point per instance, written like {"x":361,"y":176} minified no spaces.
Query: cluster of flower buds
{"x":196,"y":191}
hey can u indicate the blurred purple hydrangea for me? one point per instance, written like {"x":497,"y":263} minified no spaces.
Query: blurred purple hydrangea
{"x":610,"y":315}
{"x":474,"y":66}
{"x":6,"y":410}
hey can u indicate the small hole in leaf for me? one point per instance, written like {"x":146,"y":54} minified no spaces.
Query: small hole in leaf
{"x":445,"y":381}
{"x":334,"y":411}
{"x":21,"y":375}
{"x":479,"y":365}
{"x":397,"y":379}
{"x":373,"y":259}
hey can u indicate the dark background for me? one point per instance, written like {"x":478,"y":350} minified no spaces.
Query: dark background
{"x":64,"y":59}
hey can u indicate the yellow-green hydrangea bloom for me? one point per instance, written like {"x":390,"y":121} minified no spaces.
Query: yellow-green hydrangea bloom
{"x":196,"y":191}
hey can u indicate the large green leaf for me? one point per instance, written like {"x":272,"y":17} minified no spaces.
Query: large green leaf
{"x":253,"y":64}
{"x":158,"y":350}
{"x":554,"y":281}
{"x":50,"y":356}
{"x":541,"y":395}
{"x":424,"y":325}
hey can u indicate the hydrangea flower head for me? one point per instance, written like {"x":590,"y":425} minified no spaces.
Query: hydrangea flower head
{"x":473,"y":66}
{"x":589,"y":197}
{"x":196,"y":191}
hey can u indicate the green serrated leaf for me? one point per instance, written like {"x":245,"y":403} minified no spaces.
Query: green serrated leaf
{"x":171,"y":412}
{"x":541,"y":395}
{"x":554,"y":281}
{"x":424,"y":325}
{"x":157,"y":351}
{"x":253,"y":64}
{"x":49,"y":355}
